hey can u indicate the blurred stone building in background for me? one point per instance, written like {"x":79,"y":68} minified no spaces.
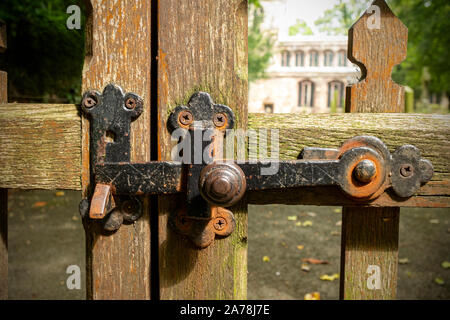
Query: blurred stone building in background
{"x":308,"y":74}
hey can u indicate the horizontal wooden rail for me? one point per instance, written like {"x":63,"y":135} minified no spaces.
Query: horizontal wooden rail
{"x":41,"y":149}
{"x":40,"y":146}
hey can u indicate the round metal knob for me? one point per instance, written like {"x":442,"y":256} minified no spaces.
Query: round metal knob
{"x":222,"y":184}
{"x":365,"y":171}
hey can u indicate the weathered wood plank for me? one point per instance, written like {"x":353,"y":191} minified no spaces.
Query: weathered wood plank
{"x":118,"y":50}
{"x":430,"y":133}
{"x":3,"y":192}
{"x":41,"y":146}
{"x":202,"y":47}
{"x":369,"y":244}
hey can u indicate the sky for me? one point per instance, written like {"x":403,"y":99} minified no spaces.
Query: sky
{"x":306,"y":10}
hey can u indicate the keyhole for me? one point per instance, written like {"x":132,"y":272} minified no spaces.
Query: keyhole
{"x":110,"y":137}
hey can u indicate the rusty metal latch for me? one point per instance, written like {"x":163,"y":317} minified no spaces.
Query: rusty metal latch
{"x":363,"y":168}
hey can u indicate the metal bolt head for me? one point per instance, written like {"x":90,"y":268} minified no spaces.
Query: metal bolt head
{"x":130,"y":103}
{"x":406,"y":170}
{"x":89,"y":101}
{"x":221,"y":187}
{"x":219,"y":223}
{"x":185,"y":117}
{"x":219,"y":119}
{"x":365,"y":171}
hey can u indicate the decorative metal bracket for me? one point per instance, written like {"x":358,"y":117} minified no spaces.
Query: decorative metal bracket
{"x":363,"y":168}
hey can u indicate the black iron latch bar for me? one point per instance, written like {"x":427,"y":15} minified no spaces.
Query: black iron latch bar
{"x":363,"y":168}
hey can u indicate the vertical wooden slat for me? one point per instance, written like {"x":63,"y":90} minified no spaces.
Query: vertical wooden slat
{"x":202,"y":47}
{"x":3,"y":192}
{"x":118,"y":50}
{"x":370,"y":235}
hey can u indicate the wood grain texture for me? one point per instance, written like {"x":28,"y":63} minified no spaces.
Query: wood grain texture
{"x":3,"y":192}
{"x":41,"y":146}
{"x":377,"y":42}
{"x":430,"y":133}
{"x":370,"y":235}
{"x":202,"y":47}
{"x":118,"y":51}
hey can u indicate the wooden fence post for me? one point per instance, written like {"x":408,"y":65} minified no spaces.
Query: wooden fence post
{"x":118,"y":35}
{"x":369,"y":253}
{"x":202,"y":47}
{"x":3,"y":192}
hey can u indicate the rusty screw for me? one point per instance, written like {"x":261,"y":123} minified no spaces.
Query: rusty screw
{"x":219,"y":119}
{"x":90,"y":101}
{"x":130,"y":103}
{"x":185,"y":117}
{"x":365,"y":171}
{"x":406,"y":170}
{"x":219,"y":223}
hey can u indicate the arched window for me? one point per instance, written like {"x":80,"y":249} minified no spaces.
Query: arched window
{"x":299,"y":59}
{"x":313,"y":58}
{"x":268,"y":107}
{"x":328,"y":58}
{"x":342,"y":58}
{"x":305,"y":93}
{"x":335,"y":94}
{"x":285,"y":57}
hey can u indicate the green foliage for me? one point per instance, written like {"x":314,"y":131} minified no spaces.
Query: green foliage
{"x":340,"y":18}
{"x":44,"y":59}
{"x":428,"y":43}
{"x":300,"y":27}
{"x":260,"y":44}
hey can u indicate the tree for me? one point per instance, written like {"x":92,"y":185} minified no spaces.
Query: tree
{"x":337,"y":20}
{"x":44,"y":58}
{"x":428,"y":44}
{"x":260,"y":43}
{"x":300,"y":27}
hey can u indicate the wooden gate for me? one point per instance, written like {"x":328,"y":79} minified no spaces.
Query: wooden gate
{"x":167,"y":50}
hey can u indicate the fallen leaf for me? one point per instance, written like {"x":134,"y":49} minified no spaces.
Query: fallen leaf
{"x":59,"y":193}
{"x":339,"y":223}
{"x":434,"y":221}
{"x":312,"y":296}
{"x":307,"y":223}
{"x":445,"y":264}
{"x":292,"y":218}
{"x":75,"y":218}
{"x":39,"y":204}
{"x":403,"y":261}
{"x":335,"y":233}
{"x":326,"y":277}
{"x":266,"y":259}
{"x":337,"y":210}
{"x":409,"y":274}
{"x":315,"y":261}
{"x":311,"y":214}
{"x":439,"y":281}
{"x":284,"y":244}
{"x":305,"y":267}
{"x":298,"y":224}
{"x":300,"y":247}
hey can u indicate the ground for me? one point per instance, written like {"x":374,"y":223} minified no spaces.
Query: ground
{"x":46,"y":236}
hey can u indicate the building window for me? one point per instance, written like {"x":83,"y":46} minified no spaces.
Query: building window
{"x":285,"y":57}
{"x":299,"y":59}
{"x":328,"y":58}
{"x":313,"y":58}
{"x":342,"y":59}
{"x":306,"y":93}
{"x":268,"y":107}
{"x":335,"y":94}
